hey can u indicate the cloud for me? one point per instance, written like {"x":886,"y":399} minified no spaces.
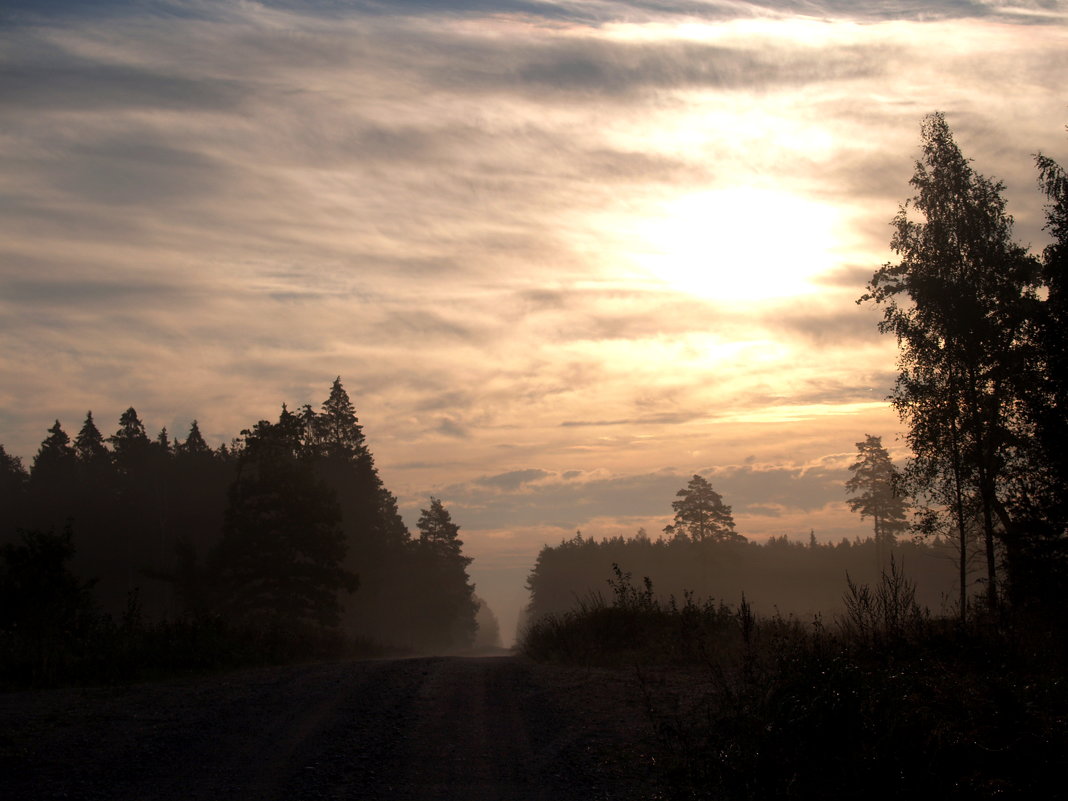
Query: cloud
{"x":513,"y":479}
{"x":100,"y":87}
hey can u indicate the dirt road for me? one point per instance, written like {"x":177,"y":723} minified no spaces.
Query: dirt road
{"x":429,"y":728}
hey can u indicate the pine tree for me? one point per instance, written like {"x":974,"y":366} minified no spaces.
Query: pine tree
{"x":876,"y":486}
{"x":443,"y":590}
{"x":194,"y":444}
{"x":282,"y":552}
{"x":130,"y":441}
{"x":438,"y":533}
{"x":700,"y":514}
{"x":55,"y":451}
{"x":337,"y":427}
{"x":89,"y":444}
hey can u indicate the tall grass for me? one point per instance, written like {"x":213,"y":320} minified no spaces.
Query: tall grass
{"x":884,"y":702}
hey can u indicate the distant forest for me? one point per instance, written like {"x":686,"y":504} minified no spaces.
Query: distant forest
{"x":287,"y":526}
{"x":803,"y":579}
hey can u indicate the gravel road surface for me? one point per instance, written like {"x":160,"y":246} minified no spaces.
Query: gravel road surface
{"x":475,"y":728}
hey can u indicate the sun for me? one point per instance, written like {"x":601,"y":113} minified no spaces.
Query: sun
{"x":740,"y":244}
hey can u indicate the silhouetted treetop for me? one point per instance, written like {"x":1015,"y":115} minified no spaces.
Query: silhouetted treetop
{"x":89,"y":444}
{"x":877,"y":492}
{"x":55,"y":451}
{"x":337,"y":428}
{"x":700,"y":514}
{"x":194,"y":444}
{"x":437,"y":531}
{"x":130,"y":440}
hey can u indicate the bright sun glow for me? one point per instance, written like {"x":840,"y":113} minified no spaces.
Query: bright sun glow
{"x":738,"y":244}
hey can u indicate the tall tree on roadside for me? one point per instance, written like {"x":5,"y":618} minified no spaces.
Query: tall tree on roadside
{"x":875,"y":485}
{"x":446,"y":594}
{"x":281,"y":554}
{"x":700,"y":514}
{"x":376,"y":537}
{"x":959,"y":303}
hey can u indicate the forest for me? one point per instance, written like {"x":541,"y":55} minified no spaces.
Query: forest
{"x":284,"y":540}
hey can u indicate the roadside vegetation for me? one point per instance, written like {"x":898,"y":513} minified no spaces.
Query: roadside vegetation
{"x":123,"y":557}
{"x":885,"y":701}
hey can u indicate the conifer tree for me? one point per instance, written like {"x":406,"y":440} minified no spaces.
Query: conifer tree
{"x":194,"y":444}
{"x":55,"y":452}
{"x":130,"y":441}
{"x":282,"y":551}
{"x":448,"y":605}
{"x":876,"y":486}
{"x":700,"y":514}
{"x":337,"y":426}
{"x":89,"y":444}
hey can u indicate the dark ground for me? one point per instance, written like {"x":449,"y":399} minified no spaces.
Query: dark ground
{"x":473,"y":728}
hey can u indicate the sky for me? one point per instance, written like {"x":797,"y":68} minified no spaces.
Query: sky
{"x":563,"y":255}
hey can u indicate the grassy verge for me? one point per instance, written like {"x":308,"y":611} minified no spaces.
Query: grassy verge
{"x":885,"y":703}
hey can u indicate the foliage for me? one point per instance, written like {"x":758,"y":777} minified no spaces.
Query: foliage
{"x":282,"y":548}
{"x":888,"y":703}
{"x":443,"y":595}
{"x":273,"y":525}
{"x":875,"y":485}
{"x":700,"y":514}
{"x":964,"y":305}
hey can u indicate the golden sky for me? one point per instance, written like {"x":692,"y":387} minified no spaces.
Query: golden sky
{"x":562,"y":254}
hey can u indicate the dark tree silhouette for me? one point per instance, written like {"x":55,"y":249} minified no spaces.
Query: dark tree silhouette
{"x":877,"y":493}
{"x":444,"y":594}
{"x":89,"y":444}
{"x":282,"y":549}
{"x":958,"y":303}
{"x":194,"y":444}
{"x":337,"y":429}
{"x":700,"y":514}
{"x":39,"y":596}
{"x":55,"y":453}
{"x":130,"y":441}
{"x":14,"y":481}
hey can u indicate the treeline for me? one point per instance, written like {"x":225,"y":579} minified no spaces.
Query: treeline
{"x":789,"y":577}
{"x":289,"y":525}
